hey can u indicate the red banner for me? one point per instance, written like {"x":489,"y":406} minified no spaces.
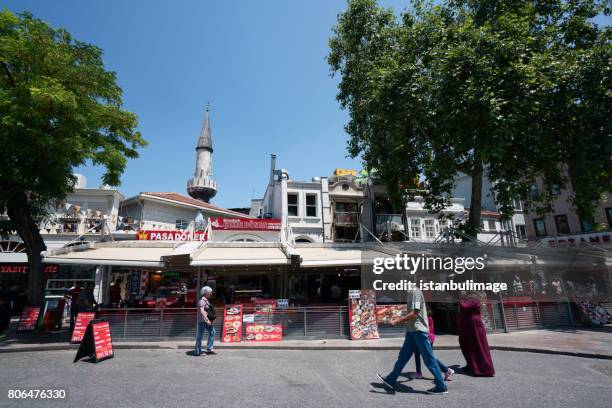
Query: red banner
{"x":362,"y":314}
{"x":102,"y":340}
{"x":264,"y":332}
{"x":28,"y":319}
{"x":245,"y":224}
{"x":232,"y":324}
{"x":80,"y":325}
{"x":174,"y":235}
{"x":23,"y":268}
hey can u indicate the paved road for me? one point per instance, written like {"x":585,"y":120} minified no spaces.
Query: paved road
{"x":282,"y":378}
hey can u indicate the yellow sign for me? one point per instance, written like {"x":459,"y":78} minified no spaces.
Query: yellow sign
{"x":345,"y":172}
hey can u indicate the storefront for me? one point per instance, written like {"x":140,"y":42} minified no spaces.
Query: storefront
{"x":242,"y":271}
{"x":315,"y":280}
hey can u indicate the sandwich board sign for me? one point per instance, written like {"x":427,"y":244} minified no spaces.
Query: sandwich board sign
{"x":97,"y":343}
{"x":28,"y":319}
{"x":82,"y":321}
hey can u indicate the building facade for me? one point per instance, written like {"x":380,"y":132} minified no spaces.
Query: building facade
{"x":564,"y":227}
{"x":491,"y":223}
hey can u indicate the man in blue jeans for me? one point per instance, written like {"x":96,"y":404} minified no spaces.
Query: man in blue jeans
{"x":206,"y":316}
{"x":416,"y":339}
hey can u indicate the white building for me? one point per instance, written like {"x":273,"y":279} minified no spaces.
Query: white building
{"x":86,"y":215}
{"x":426,"y":227}
{"x":491,"y":224}
{"x":302,"y":206}
{"x":347,"y":208}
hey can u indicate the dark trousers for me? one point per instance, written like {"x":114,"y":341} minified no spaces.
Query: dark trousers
{"x":74,"y":311}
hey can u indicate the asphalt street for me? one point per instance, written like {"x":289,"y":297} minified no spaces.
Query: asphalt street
{"x":282,"y":378}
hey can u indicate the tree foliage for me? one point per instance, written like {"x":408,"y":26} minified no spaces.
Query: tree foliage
{"x":59,"y":108}
{"x":517,"y":90}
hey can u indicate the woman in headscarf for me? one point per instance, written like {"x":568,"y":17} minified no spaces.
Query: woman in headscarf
{"x":473,"y":336}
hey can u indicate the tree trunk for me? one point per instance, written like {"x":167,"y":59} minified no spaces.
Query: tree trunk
{"x":18,"y":210}
{"x":475,"y":200}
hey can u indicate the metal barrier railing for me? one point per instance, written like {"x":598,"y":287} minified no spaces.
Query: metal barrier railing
{"x":312,"y":322}
{"x":316,"y":322}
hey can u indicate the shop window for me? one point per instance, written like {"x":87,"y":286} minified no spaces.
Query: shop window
{"x":430,"y":231}
{"x":540,"y":227}
{"x":562,"y":224}
{"x":181,"y":224}
{"x":292,"y":205}
{"x":311,"y":205}
{"x":415,"y":227}
{"x":492,"y":225}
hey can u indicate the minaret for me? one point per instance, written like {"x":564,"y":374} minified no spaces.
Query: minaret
{"x":202,"y":186}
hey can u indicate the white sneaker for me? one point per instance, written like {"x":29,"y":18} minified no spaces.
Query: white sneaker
{"x":448,"y":374}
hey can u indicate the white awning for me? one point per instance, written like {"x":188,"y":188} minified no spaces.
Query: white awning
{"x":111,"y":255}
{"x":218,"y":256}
{"x":336,"y":256}
{"x":13,"y":257}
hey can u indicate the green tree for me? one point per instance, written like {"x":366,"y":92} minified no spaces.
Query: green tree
{"x":59,"y":108}
{"x":519,"y":90}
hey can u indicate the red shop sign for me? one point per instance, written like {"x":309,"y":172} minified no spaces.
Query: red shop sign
{"x":173,"y":235}
{"x":245,"y":224}
{"x":23,"y":268}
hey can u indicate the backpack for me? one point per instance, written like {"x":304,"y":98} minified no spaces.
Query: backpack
{"x":212,"y":315}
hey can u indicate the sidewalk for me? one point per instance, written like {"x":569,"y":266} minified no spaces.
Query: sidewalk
{"x":582,"y":342}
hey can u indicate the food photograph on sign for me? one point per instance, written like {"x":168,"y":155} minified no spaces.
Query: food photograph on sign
{"x":232,"y":324}
{"x":363,"y":324}
{"x":263,"y":332}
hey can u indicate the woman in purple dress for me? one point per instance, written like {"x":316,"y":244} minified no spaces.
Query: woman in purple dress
{"x":473,"y":336}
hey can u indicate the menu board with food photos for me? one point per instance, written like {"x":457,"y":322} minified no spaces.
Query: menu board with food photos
{"x":28,"y":319}
{"x":362,"y":315}
{"x":385,"y":313}
{"x":232,"y":324}
{"x":264,"y":332}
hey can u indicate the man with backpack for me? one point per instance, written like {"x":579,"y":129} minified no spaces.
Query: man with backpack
{"x":206,"y":315}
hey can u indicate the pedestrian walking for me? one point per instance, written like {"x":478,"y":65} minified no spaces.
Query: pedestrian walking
{"x":473,"y":336}
{"x":416,"y":339}
{"x":207,"y":315}
{"x":447,"y":371}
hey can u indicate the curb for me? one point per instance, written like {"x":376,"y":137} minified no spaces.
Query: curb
{"x":119,"y":346}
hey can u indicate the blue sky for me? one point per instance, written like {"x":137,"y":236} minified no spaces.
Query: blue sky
{"x":261,"y":64}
